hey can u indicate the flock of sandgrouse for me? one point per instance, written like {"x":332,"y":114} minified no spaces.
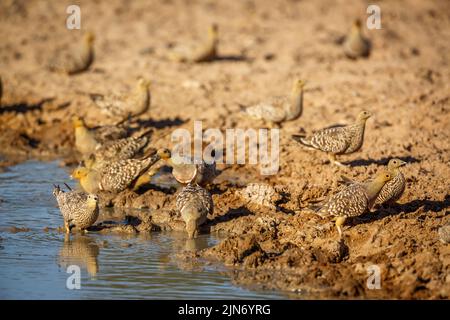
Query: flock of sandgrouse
{"x":113,"y":161}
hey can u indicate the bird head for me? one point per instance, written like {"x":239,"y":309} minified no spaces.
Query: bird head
{"x":357,"y":25}
{"x":92,"y":200}
{"x":144,"y":83}
{"x":164,"y":153}
{"x":364,"y":115}
{"x":395,"y":163}
{"x":78,"y":122}
{"x":213,"y":31}
{"x":384,"y":176}
{"x":191,"y":228}
{"x":89,"y":37}
{"x":79,"y":173}
{"x":298,"y":84}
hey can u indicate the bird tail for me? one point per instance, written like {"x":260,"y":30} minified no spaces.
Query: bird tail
{"x":301,"y":138}
{"x":56,"y":190}
{"x":242,"y":107}
{"x":345,"y":180}
{"x":147,"y":132}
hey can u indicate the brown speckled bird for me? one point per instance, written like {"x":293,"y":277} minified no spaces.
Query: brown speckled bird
{"x":126,"y":106}
{"x":281,"y":108}
{"x":392,"y":190}
{"x":78,"y":209}
{"x":118,"y":175}
{"x":87,"y":140}
{"x":337,"y":140}
{"x":203,"y":53}
{"x":122,"y":149}
{"x":353,"y":200}
{"x":355,"y":44}
{"x":74,"y":61}
{"x":194,"y":203}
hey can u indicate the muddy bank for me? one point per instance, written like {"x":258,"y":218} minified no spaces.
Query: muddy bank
{"x":271,"y":239}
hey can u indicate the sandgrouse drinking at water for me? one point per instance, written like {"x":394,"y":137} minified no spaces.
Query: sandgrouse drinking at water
{"x":79,"y":209}
{"x":126,"y":106}
{"x":194,"y":203}
{"x":337,"y":140}
{"x":354,"y":199}
{"x":118,"y":175}
{"x":74,"y":61}
{"x":281,"y":108}
{"x":203,"y":53}
{"x":355,"y":44}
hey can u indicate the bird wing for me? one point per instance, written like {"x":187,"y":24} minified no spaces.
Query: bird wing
{"x":333,"y":139}
{"x":350,"y":201}
{"x":271,"y":110}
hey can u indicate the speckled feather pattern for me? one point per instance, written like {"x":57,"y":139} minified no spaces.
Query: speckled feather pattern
{"x":273,"y":110}
{"x":121,"y":149}
{"x":392,"y":190}
{"x":195,"y":196}
{"x":351,"y":201}
{"x":75,"y":209}
{"x":338,"y":140}
{"x":73,"y":61}
{"x":119,"y":175}
{"x":133,"y":104}
{"x":105,"y":134}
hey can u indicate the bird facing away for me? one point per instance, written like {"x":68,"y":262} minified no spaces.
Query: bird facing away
{"x":194,"y":203}
{"x":279,"y":109}
{"x":392,"y":190}
{"x":122,"y":149}
{"x":185,"y":170}
{"x":74,"y":61}
{"x":79,"y":209}
{"x":87,"y":140}
{"x":353,"y":200}
{"x":118,"y":175}
{"x":203,"y":53}
{"x":337,"y":140}
{"x":355,"y":44}
{"x":126,"y":106}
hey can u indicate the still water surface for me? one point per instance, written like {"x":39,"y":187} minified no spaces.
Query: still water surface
{"x":34,"y":262}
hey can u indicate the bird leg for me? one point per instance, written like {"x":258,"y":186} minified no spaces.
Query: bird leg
{"x":332,"y":158}
{"x":339,"y":223}
{"x":66,"y":226}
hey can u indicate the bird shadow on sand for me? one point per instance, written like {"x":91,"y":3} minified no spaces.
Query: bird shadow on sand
{"x":382,"y":161}
{"x":161,"y":124}
{"x":234,"y":58}
{"x":24,"y":107}
{"x":405,"y":208}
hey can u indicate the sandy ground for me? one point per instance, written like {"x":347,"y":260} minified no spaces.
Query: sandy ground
{"x":263,"y":46}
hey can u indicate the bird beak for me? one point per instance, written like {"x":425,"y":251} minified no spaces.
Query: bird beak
{"x":402,"y":163}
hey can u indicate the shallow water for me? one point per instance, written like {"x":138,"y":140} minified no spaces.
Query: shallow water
{"x":34,"y":262}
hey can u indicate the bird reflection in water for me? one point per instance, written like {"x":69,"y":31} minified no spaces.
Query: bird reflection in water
{"x":81,"y":251}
